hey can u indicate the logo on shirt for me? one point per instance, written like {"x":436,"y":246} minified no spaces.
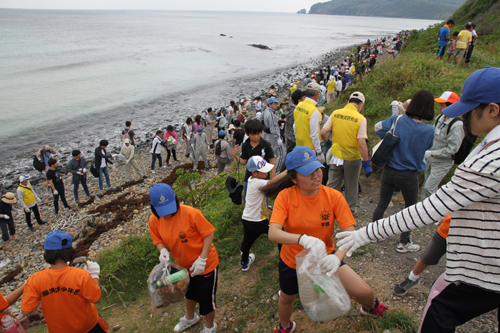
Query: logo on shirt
{"x":325,"y":218}
{"x":183,"y":237}
{"x":263,"y":152}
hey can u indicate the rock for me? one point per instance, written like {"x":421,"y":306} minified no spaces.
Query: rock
{"x":116,"y":328}
{"x":222,"y":35}
{"x":136,"y":211}
{"x":79,"y":260}
{"x":260,"y":46}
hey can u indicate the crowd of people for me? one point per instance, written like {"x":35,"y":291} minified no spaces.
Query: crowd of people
{"x":303,"y":159}
{"x":460,"y":44}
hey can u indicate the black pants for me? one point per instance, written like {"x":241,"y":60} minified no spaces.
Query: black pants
{"x":97,"y":329}
{"x":173,"y":154}
{"x":153,"y":160}
{"x":251,"y":231}
{"x":450,"y":305}
{"x":61,"y":195}
{"x":7,"y":224}
{"x":407,"y":180}
{"x":37,"y":216}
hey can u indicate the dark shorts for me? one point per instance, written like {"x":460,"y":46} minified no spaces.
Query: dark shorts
{"x":288,"y":278}
{"x":202,"y":290}
{"x":435,"y":251}
{"x":441,"y":51}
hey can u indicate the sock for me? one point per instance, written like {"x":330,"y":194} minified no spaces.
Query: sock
{"x":413,"y":277}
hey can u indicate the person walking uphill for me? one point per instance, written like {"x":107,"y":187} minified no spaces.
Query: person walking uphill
{"x":101,"y":162}
{"x":273,"y":135}
{"x":470,"y":286}
{"x":349,"y":151}
{"x":67,"y":293}
{"x":6,"y":218}
{"x":57,"y":185}
{"x":77,"y":168}
{"x":200,"y":144}
{"x":307,"y":120}
{"x":128,"y":151}
{"x":188,"y":236}
{"x":156,"y":151}
{"x":308,"y":211}
{"x":223,"y":152}
{"x":28,"y":199}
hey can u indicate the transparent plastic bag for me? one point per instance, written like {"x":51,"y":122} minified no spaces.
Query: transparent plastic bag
{"x":323,"y":298}
{"x":167,"y":285}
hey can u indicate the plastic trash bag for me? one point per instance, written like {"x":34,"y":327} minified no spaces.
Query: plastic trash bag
{"x":167,"y":285}
{"x":323,"y":298}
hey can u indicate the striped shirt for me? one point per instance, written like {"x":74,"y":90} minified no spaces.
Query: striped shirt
{"x":473,"y":196}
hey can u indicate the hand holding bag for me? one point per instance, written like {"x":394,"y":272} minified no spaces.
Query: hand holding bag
{"x":382,"y":152}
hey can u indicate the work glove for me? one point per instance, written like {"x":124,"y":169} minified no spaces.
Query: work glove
{"x":126,"y":161}
{"x":93,"y":269}
{"x":367,"y":167}
{"x":328,"y":144}
{"x":84,"y":170}
{"x":352,"y":239}
{"x":55,"y":192}
{"x":330,"y":264}
{"x":4,"y":216}
{"x":428,"y":153}
{"x":280,"y":142}
{"x":321,"y":158}
{"x":198,"y":266}
{"x":37,"y":199}
{"x":164,"y":256}
{"x":313,"y":244}
{"x":26,"y":209}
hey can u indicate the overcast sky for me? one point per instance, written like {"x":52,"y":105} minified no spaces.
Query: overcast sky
{"x":224,"y":5}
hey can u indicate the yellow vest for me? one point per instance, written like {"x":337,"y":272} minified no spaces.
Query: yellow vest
{"x":28,"y":196}
{"x":345,"y":126}
{"x":302,"y":114}
{"x":292,"y":90}
{"x":331,"y":85}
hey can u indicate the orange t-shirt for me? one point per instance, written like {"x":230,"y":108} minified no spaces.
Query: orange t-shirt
{"x":444,"y":227}
{"x":183,"y":234}
{"x":3,"y":307}
{"x":313,"y":216}
{"x":67,"y":295}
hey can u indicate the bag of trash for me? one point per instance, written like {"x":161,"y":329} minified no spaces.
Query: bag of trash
{"x":167,"y":285}
{"x":323,"y":297}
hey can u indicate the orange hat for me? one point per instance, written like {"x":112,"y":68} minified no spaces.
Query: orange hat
{"x":447,"y":97}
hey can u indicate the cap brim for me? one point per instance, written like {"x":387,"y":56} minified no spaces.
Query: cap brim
{"x":9,"y":201}
{"x":309,"y":168}
{"x":458,"y":109}
{"x":166,"y":209}
{"x":439,"y":100}
{"x":267,"y":168}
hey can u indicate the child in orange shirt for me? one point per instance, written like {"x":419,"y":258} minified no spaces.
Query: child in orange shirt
{"x":8,"y":300}
{"x":308,"y":211}
{"x":67,"y":293}
{"x":189,"y":237}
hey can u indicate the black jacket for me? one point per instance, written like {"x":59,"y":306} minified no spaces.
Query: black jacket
{"x":99,"y":156}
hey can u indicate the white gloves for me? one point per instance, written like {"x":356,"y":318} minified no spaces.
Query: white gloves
{"x":164,"y":256}
{"x":55,"y":192}
{"x":4,"y":216}
{"x":321,"y":158}
{"x":353,"y":239}
{"x":93,"y":269}
{"x":313,"y":244}
{"x":126,"y":161}
{"x":330,"y":264}
{"x":84,"y":170}
{"x":198,"y":266}
{"x":26,"y":209}
{"x":280,"y":142}
{"x":428,"y":153}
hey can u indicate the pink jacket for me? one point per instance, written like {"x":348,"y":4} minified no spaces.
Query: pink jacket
{"x":168,"y":134}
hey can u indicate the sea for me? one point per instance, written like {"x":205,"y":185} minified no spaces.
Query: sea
{"x":69,"y":78}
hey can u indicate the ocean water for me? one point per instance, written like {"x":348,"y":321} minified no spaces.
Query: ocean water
{"x":68,"y":75}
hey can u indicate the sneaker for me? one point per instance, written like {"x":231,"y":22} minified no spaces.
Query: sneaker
{"x":184,"y":323}
{"x":251,"y":259}
{"x":101,"y":192}
{"x":112,"y":188}
{"x":402,"y":288}
{"x":288,"y":330}
{"x":408,"y":247}
{"x":209,"y":330}
{"x":77,"y":201}
{"x":31,"y":229}
{"x":378,"y":310}
{"x":42,"y":222}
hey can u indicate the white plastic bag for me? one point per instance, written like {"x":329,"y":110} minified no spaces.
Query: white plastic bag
{"x":323,"y":298}
{"x":167,"y":285}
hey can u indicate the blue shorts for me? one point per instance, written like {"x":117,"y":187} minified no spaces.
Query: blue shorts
{"x":288,"y":278}
{"x":441,"y":51}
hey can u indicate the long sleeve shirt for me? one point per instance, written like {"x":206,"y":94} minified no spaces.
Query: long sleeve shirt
{"x":446,"y":144}
{"x":472,"y":196}
{"x":74,"y":166}
{"x":128,"y":152}
{"x":156,"y":145}
{"x":20,"y":197}
{"x":200,"y":142}
{"x":269,"y":120}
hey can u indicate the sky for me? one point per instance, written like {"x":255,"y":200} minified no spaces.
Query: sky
{"x":291,"y":6}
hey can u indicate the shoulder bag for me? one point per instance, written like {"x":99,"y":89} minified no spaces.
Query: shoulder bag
{"x":382,"y":152}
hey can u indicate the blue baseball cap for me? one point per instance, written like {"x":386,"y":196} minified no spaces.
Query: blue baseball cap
{"x":222,"y":133}
{"x":482,"y":86}
{"x":54,"y":241}
{"x":303,"y":160}
{"x":257,"y":163}
{"x":272,"y":100}
{"x":162,"y":197}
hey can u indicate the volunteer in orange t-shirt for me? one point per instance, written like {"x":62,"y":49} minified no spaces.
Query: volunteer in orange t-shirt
{"x":189,"y":237}
{"x":67,"y":293}
{"x":308,"y":211}
{"x":431,"y":256}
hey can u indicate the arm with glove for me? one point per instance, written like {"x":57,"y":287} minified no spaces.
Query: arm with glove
{"x":199,"y":264}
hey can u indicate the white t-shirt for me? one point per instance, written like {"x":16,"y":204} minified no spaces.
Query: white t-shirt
{"x":255,"y":210}
{"x":103,"y":160}
{"x":339,"y":85}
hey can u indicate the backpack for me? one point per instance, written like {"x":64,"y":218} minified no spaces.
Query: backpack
{"x":37,"y":164}
{"x":465,"y":147}
{"x":218,"y":148}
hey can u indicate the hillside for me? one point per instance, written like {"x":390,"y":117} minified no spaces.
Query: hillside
{"x":421,"y":9}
